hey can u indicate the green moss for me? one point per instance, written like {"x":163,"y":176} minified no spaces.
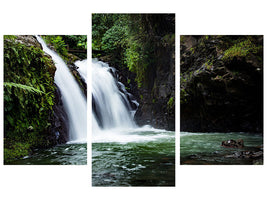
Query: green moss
{"x":235,"y":73}
{"x":170,"y":103}
{"x":208,"y":64}
{"x":182,"y":38}
{"x":218,"y":77}
{"x":183,"y":96}
{"x":169,"y":38}
{"x":240,"y":49}
{"x":192,"y":49}
{"x":137,"y":61}
{"x":16,"y":151}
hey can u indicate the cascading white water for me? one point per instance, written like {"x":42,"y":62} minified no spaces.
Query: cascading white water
{"x":82,"y":68}
{"x":111,"y":108}
{"x":73,"y":99}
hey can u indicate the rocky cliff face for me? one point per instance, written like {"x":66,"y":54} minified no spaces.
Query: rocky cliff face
{"x":221,"y":83}
{"x":157,"y":98}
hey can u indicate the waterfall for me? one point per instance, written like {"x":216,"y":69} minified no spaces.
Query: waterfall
{"x":82,"y":68}
{"x":112,"y":104}
{"x":73,"y":99}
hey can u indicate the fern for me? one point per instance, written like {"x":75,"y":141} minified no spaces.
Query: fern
{"x":23,"y":87}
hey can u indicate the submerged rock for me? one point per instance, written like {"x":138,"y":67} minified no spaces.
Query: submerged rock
{"x":246,"y":154}
{"x":233,"y":143}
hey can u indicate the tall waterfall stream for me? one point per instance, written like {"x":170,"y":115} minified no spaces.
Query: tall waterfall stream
{"x":73,"y":99}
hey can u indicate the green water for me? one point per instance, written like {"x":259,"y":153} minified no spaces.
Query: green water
{"x":205,"y":148}
{"x":135,"y":159}
{"x":67,"y":154}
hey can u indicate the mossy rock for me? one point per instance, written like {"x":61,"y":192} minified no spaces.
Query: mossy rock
{"x":28,"y":96}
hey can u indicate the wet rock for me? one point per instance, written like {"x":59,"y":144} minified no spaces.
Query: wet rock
{"x":257,"y":154}
{"x":59,"y":121}
{"x":81,"y":82}
{"x":246,"y":155}
{"x":155,"y":104}
{"x":28,"y":40}
{"x":233,"y":143}
{"x":194,"y":156}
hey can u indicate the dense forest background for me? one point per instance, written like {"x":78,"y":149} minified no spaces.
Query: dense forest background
{"x":142,"y":48}
{"x":33,"y":110}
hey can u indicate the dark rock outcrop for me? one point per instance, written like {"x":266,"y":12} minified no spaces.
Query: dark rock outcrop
{"x":221,"y":83}
{"x":157,"y":105}
{"x":59,"y":122}
{"x":81,"y":82}
{"x":28,"y":40}
{"x":157,"y":94}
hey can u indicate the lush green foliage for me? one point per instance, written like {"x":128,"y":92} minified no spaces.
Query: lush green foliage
{"x":101,"y":24}
{"x":62,"y":44}
{"x":133,"y":60}
{"x":75,"y":41}
{"x":58,"y":44}
{"x":23,"y":87}
{"x":131,"y":40}
{"x":76,"y":44}
{"x":28,"y":98}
